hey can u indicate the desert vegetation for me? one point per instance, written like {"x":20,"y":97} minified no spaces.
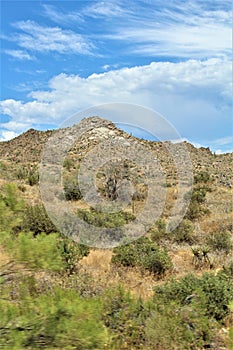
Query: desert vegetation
{"x":161,"y":291}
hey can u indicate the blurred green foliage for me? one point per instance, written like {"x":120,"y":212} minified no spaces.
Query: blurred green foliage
{"x":54,"y":306}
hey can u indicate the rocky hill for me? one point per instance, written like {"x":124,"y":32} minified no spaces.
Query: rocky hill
{"x":28,"y":148}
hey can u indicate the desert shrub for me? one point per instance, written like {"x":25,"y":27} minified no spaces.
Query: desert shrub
{"x":196,"y":207}
{"x":21,"y":173}
{"x":202,"y":185}
{"x":33,"y":176}
{"x":125,"y":318}
{"x":125,"y":255}
{"x":158,"y":231}
{"x":220,"y":241}
{"x":28,"y":173}
{"x":71,"y":252}
{"x":218,"y":293}
{"x":37,"y":220}
{"x":174,"y":327}
{"x":202,"y":177}
{"x":103,"y":219}
{"x":157,"y":261}
{"x":213,"y":292}
{"x":72,"y":191}
{"x":68,"y":164}
{"x":228,"y":269}
{"x":145,"y":254}
{"x":199,"y":195}
{"x":184,"y":232}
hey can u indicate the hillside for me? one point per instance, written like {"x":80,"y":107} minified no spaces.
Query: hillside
{"x":44,"y":263}
{"x":28,"y":147}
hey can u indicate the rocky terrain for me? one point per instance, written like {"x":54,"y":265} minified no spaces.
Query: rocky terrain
{"x":28,"y":147}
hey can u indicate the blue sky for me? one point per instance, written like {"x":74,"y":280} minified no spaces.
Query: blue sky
{"x":60,"y":57}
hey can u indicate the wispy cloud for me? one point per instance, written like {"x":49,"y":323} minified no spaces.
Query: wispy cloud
{"x":223,"y":141}
{"x":19,"y":54}
{"x":105,"y":9}
{"x":177,"y":29}
{"x":36,"y":38}
{"x":180,"y":29}
{"x":62,"y":17}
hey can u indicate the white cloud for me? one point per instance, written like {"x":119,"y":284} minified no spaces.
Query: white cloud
{"x":222,"y":145}
{"x":6,"y":135}
{"x":58,"y":16}
{"x":37,"y":38}
{"x":104,"y":9}
{"x":177,"y":29}
{"x":224,"y":140}
{"x":19,"y":54}
{"x":194,"y":95}
{"x":222,"y":151}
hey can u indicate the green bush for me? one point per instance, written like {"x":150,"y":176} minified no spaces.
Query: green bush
{"x":10,"y":198}
{"x":125,"y":255}
{"x":29,"y":174}
{"x":228,"y":269}
{"x":220,"y":241}
{"x":145,"y":254}
{"x":174,"y":327}
{"x":199,"y":195}
{"x":159,"y":231}
{"x":33,"y":176}
{"x":68,"y":164}
{"x":202,"y":185}
{"x":125,"y":317}
{"x":72,"y":191}
{"x":71,"y":252}
{"x":103,"y":219}
{"x":184,"y":232}
{"x":196,"y":208}
{"x":11,"y":209}
{"x":213,"y":292}
{"x":37,"y":221}
{"x":202,"y":177}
